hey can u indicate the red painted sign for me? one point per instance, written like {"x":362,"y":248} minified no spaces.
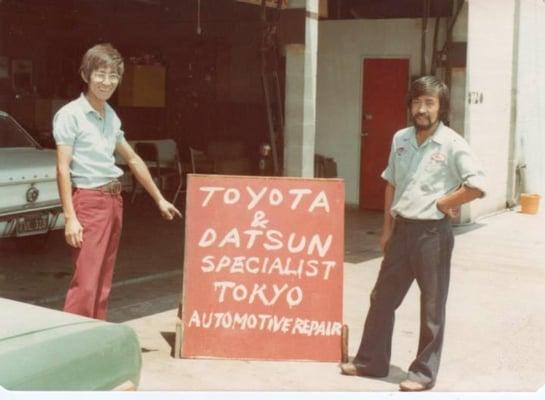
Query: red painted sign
{"x":263,"y":268}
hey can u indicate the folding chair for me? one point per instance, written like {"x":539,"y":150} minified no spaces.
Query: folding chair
{"x":200,"y":162}
{"x":161,"y":164}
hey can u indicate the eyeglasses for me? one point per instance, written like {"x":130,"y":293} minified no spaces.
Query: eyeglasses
{"x":428,"y":103}
{"x":101,"y":77}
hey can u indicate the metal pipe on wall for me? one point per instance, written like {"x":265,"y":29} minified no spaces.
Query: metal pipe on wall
{"x":516,"y":170}
{"x":425,"y":14}
{"x":434,"y":57}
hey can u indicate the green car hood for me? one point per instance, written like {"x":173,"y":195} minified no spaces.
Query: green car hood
{"x":43,"y":349}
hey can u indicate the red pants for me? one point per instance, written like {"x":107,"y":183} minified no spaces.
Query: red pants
{"x":101,"y":216}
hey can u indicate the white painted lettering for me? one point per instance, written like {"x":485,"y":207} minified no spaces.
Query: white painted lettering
{"x":208,"y":237}
{"x":240,"y":293}
{"x":232,"y":237}
{"x":299,"y":193}
{"x":254,"y":260}
{"x":255,"y":197}
{"x":231,"y":196}
{"x":209,"y":261}
{"x":296,"y":248}
{"x":320,"y":202}
{"x":224,"y":262}
{"x":259,"y":220}
{"x":275,"y":240}
{"x":294,"y":297}
{"x":259,"y":291}
{"x":195,"y":319}
{"x":316,"y":244}
{"x":329,"y":265}
{"x":253,"y":234}
{"x":313,"y":269}
{"x":277,"y":292}
{"x":238,"y":265}
{"x":275,"y":197}
{"x":211,"y":190}
{"x":222,"y":286}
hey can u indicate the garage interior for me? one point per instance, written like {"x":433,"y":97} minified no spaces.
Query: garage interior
{"x":194,"y":75}
{"x":193,"y":67}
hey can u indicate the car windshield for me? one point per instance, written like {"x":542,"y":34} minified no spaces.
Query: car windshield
{"x":11,"y":135}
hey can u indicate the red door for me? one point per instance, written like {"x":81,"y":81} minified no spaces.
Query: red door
{"x":384,"y":111}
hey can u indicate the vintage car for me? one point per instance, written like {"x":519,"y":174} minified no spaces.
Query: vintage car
{"x":44,"y":349}
{"x":29,"y":201}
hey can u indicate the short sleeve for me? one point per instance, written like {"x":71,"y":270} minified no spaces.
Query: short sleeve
{"x":119,"y":133}
{"x":119,"y":136}
{"x":389,"y":173}
{"x":64,"y":127}
{"x":469,"y":168}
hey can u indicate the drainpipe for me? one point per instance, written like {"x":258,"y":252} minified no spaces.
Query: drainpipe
{"x":425,"y":14}
{"x":434,"y":57}
{"x":448,"y":43}
{"x":515,"y":170}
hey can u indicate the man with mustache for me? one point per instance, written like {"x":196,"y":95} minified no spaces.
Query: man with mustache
{"x":431,"y":171}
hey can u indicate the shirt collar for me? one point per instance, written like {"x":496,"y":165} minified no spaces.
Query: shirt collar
{"x":88,"y":108}
{"x":438,"y":136}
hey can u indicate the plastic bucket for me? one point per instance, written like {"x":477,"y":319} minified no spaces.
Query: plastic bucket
{"x":529,"y":203}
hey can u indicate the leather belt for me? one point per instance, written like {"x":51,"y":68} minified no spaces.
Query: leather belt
{"x":112,"y":187}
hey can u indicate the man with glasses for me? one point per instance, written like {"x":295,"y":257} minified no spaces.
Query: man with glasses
{"x":88,"y":132}
{"x":431,"y":171}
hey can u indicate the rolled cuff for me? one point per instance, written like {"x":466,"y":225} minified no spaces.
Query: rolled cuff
{"x":387,"y":176}
{"x":65,"y":142}
{"x":476,"y":182}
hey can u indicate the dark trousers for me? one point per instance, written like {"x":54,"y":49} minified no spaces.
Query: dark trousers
{"x":418,"y":250}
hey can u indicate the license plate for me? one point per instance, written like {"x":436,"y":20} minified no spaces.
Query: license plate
{"x":32,"y":224}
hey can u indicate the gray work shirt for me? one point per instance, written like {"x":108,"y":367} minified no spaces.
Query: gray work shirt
{"x":93,"y":139}
{"x":423,"y":174}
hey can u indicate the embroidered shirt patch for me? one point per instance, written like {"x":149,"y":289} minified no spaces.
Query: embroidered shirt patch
{"x":439,"y":157}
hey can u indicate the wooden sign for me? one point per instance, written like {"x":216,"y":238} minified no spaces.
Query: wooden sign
{"x":263,"y":268}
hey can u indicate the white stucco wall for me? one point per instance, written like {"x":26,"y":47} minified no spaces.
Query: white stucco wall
{"x":530,"y":115}
{"x":458,"y":77}
{"x":342,"y":45}
{"x":489,"y":73}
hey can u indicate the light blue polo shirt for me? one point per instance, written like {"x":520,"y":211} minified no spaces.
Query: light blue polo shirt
{"x":423,"y":174}
{"x":93,"y":140}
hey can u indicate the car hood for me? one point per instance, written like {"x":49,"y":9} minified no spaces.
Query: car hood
{"x":44,"y":349}
{"x":26,"y":165}
{"x":23,"y":319}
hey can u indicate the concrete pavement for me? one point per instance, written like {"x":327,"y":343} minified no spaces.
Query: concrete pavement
{"x":495,"y":321}
{"x":148,"y":272}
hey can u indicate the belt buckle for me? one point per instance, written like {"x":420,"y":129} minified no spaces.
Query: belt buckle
{"x":115,"y":187}
{"x":112,"y":187}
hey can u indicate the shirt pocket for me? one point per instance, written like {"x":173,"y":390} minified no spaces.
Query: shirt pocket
{"x":95,"y":141}
{"x":403,"y":163}
{"x":435,"y":167}
{"x":437,"y":175}
{"x":85,"y":139}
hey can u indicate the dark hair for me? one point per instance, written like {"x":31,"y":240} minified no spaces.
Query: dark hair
{"x":431,"y":86}
{"x":101,"y":55}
